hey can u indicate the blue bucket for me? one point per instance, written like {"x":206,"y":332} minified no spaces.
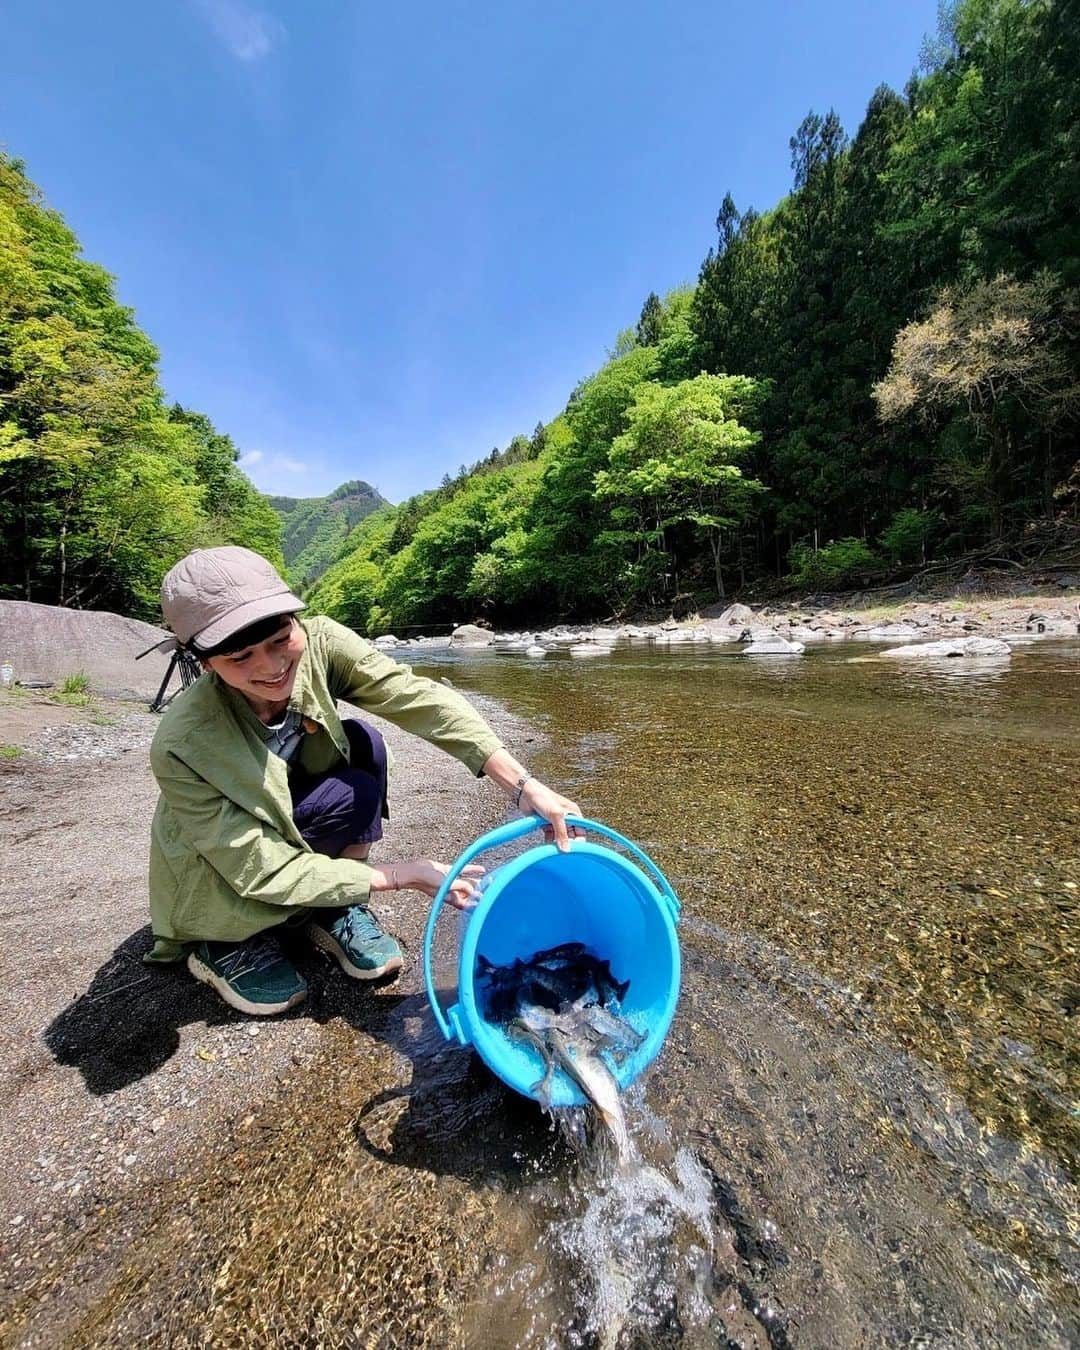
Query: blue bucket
{"x":541,"y":899}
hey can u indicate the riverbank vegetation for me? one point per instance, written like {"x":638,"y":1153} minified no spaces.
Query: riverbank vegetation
{"x":103,"y":485}
{"x":880,"y":370}
{"x":879,"y":373}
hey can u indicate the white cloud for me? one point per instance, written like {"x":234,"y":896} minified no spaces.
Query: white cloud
{"x":248,"y":33}
{"x":272,"y":463}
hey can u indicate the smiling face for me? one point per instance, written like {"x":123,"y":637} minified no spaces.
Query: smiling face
{"x":266,"y":671}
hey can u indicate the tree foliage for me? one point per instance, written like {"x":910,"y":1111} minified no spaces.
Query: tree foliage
{"x":102,"y":486}
{"x":881,"y":365}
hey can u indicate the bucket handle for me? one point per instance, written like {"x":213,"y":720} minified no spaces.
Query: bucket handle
{"x":506,"y":834}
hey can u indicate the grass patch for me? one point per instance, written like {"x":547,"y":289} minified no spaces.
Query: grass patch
{"x":101,"y":719}
{"x":10,"y":751}
{"x":73,"y":691}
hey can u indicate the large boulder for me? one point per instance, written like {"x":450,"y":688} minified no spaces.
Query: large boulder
{"x":49,"y":643}
{"x":471,"y":635}
{"x":736,"y":616}
{"x":953,"y":647}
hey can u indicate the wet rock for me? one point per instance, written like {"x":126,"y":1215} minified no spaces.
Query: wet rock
{"x":536,"y":650}
{"x":774,"y":646}
{"x":953,"y":647}
{"x":471,"y":635}
{"x":387,"y":640}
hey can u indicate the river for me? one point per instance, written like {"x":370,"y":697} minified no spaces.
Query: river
{"x":866,"y":1109}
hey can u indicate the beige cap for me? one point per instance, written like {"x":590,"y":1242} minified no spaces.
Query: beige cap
{"x":214,"y":592}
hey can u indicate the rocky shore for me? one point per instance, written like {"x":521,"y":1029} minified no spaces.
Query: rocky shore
{"x":133,"y":1096}
{"x":955,"y":627}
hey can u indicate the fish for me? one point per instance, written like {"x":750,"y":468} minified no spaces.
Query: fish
{"x":551,"y":978}
{"x":562,"y":1002}
{"x":570,"y":1043}
{"x":618,"y":1032}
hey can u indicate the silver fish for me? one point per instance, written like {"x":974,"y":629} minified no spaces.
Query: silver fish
{"x":568,"y":1041}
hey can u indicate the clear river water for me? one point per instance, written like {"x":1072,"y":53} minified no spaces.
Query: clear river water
{"x":864,"y":1128}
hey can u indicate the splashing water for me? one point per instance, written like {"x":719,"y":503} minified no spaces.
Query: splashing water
{"x":643,"y":1245}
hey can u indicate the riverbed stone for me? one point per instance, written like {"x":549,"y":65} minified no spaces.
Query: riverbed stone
{"x":889,"y":632}
{"x":471,"y":635}
{"x":953,"y":647}
{"x":536,"y":650}
{"x":736,"y":616}
{"x":774,"y":646}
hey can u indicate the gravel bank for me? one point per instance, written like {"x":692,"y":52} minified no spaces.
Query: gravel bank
{"x":117,"y":1075}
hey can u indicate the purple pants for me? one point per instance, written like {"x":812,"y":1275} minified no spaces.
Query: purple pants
{"x":346,"y":805}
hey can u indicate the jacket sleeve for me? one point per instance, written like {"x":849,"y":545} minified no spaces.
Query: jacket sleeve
{"x":361,"y":674}
{"x":248,"y":854}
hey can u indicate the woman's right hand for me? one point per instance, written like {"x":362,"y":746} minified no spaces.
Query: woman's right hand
{"x":426,"y":875}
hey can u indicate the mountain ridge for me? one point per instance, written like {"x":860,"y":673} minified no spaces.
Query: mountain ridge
{"x":314,"y":528}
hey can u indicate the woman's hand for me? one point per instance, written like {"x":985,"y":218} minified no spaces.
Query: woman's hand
{"x":426,"y":875}
{"x":529,"y":795}
{"x":543,"y":801}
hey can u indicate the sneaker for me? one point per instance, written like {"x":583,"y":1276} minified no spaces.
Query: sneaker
{"x":357,"y":943}
{"x":252,"y":976}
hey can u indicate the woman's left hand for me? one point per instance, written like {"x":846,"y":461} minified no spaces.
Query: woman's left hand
{"x":543,"y":801}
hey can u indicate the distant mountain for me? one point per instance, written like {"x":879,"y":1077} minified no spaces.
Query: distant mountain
{"x":314,"y":528}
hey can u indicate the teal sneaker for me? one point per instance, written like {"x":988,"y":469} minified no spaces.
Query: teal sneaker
{"x":253,"y":977}
{"x":357,"y":943}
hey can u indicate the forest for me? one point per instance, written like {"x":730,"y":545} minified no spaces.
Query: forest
{"x":878,"y":371}
{"x":103,"y":483}
{"x":875,"y":374}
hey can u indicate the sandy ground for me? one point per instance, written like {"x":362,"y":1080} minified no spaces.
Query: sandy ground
{"x":115,"y":1074}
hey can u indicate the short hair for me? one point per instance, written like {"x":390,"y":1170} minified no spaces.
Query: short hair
{"x":246,"y":637}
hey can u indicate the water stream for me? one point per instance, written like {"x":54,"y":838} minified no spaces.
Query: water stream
{"x":864,"y":1128}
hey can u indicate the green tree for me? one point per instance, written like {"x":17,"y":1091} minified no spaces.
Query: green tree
{"x":676,"y":465}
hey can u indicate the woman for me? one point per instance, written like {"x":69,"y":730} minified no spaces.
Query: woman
{"x":270,"y":802}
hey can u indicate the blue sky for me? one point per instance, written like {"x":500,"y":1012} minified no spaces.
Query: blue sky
{"x":374,"y":241}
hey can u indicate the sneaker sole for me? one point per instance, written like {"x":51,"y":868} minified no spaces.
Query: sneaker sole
{"x":328,"y":944}
{"x":222,"y":987}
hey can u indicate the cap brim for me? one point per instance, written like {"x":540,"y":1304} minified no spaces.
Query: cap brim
{"x":244,"y":615}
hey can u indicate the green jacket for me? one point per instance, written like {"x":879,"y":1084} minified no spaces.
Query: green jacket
{"x":226,"y":859}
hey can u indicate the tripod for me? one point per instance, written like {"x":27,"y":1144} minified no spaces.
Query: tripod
{"x":189,"y":672}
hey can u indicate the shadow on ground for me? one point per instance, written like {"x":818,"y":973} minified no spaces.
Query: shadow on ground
{"x":127,"y":1024}
{"x":454,"y":1115}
